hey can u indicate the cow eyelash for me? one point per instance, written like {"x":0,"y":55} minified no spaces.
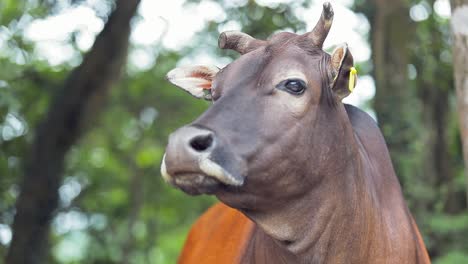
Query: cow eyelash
{"x":292,"y":86}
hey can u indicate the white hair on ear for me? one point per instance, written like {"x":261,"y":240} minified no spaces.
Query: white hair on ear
{"x":338,"y":56}
{"x":193,"y":79}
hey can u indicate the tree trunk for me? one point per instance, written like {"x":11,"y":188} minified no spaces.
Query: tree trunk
{"x":395,"y":102}
{"x":74,"y":106}
{"x":459,"y":25}
{"x":434,"y":88}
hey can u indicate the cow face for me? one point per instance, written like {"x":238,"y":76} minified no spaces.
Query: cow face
{"x":275,"y":115}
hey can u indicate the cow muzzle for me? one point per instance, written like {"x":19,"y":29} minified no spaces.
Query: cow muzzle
{"x":196,"y":162}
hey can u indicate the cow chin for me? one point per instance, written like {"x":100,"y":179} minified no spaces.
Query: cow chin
{"x":207,"y":178}
{"x":195,"y":183}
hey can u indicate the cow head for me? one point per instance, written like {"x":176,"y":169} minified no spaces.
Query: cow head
{"x":274,"y":128}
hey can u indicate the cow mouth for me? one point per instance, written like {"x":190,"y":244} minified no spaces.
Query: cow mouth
{"x":195,"y":183}
{"x":206,"y":179}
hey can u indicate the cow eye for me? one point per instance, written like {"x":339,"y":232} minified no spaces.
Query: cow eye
{"x":293,"y":86}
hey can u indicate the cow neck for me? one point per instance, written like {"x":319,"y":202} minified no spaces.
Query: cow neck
{"x":327,"y":223}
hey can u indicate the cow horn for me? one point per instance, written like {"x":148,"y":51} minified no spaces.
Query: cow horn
{"x":320,"y":31}
{"x":238,"y":41}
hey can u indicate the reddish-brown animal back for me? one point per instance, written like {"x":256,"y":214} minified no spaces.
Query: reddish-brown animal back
{"x":423,"y":256}
{"x":220,"y":235}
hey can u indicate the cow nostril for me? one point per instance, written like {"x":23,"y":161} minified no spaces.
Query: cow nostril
{"x":201,"y":143}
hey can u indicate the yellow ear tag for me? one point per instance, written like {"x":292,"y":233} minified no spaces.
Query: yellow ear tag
{"x":352,"y":79}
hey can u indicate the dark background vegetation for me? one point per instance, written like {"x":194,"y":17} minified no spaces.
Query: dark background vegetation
{"x":80,"y":147}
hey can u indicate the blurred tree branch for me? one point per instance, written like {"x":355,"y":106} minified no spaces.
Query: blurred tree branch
{"x":74,"y":106}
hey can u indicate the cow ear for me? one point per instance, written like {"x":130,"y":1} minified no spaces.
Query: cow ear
{"x":343,"y":71}
{"x":196,"y":80}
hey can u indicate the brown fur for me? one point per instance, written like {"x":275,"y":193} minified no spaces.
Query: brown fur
{"x":318,"y":182}
{"x":221,"y":235}
{"x":212,"y":236}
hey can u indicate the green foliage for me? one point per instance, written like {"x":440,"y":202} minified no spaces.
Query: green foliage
{"x":114,"y":204}
{"x":452,"y":257}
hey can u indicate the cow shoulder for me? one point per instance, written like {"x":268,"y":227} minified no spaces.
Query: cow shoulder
{"x":362,"y":122}
{"x":370,"y":139}
{"x":220,"y":235}
{"x":379,"y":168}
{"x":378,"y":165}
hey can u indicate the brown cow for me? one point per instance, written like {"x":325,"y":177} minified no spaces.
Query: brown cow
{"x":310,"y":178}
